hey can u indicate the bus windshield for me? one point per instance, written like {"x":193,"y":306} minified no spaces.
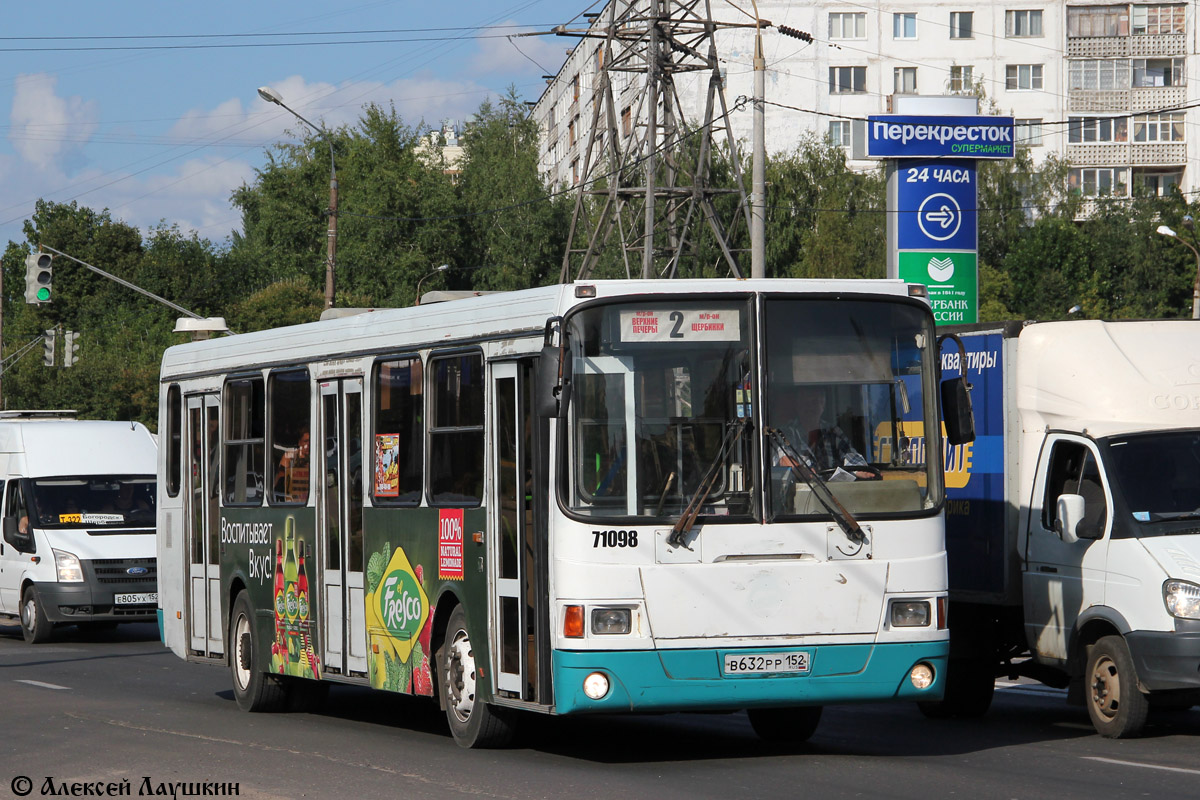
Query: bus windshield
{"x":847,"y":391}
{"x":90,"y":501}
{"x":657,"y":388}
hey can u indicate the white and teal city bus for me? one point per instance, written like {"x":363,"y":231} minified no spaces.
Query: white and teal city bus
{"x":581,"y":498}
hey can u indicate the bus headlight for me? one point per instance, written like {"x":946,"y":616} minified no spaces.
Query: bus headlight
{"x":910,"y":613}
{"x":921,"y":675}
{"x":595,"y":685}
{"x":1182,"y":599}
{"x":69,"y":568}
{"x":611,"y":621}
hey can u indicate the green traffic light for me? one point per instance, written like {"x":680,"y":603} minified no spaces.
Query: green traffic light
{"x":43,"y":294}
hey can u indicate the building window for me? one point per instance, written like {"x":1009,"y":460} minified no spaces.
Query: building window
{"x":399,"y":432}
{"x":626,"y":121}
{"x":1023,"y":77}
{"x":1023,"y":24}
{"x":1098,"y":74}
{"x":1149,"y":72}
{"x":1099,"y":181}
{"x":904,"y":26}
{"x":456,"y":433}
{"x":1157,"y":20}
{"x":575,"y":86}
{"x":574,"y":171}
{"x":960,"y":24}
{"x":839,"y":132}
{"x":904,"y":80}
{"x":571,"y":133}
{"x":1158,"y":183}
{"x":1158,"y":128}
{"x":1088,"y":130}
{"x":1028,"y":132}
{"x":961,"y":78}
{"x":1095,"y":21}
{"x":847,"y":80}
{"x":844,"y":25}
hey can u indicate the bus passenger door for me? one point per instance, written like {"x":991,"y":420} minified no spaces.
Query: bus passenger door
{"x":340,"y":456}
{"x":516,"y":537}
{"x":203,"y":515}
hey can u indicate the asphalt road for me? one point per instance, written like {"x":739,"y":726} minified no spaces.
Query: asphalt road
{"x":109,"y":707}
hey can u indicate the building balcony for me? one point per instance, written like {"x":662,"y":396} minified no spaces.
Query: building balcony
{"x":1120,"y":154}
{"x":1168,"y":44}
{"x":1139,"y":100}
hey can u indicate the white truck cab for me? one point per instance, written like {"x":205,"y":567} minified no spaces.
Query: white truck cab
{"x":78,"y":517}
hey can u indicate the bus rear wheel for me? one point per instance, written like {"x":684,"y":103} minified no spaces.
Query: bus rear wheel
{"x":253,"y":688}
{"x":473,"y":723}
{"x":785,"y":725}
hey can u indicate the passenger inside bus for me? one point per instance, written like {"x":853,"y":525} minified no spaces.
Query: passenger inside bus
{"x":291,"y":479}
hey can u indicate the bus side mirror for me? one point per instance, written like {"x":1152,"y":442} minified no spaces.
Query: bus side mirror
{"x":957,"y":412}
{"x":553,"y":384}
{"x":23,"y":542}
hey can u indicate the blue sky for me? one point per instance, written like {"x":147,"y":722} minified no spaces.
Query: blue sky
{"x":167,"y":132}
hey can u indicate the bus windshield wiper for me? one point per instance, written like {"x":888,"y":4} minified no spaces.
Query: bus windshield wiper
{"x":687,"y":519}
{"x":841,"y":516}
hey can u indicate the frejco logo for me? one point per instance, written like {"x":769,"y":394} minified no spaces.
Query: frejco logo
{"x":400,"y":604}
{"x":293,"y":604}
{"x":280,"y":605}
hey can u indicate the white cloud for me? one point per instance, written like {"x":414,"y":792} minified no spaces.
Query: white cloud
{"x":48,"y":130}
{"x":518,"y":55}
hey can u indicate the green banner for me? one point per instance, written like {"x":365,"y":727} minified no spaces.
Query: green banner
{"x":953,"y":281}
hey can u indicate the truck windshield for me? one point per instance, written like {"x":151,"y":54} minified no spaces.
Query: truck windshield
{"x":94,"y":501}
{"x":847,"y":386}
{"x":1158,"y":474}
{"x":657,"y":387}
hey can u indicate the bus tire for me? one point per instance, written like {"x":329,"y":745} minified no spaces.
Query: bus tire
{"x":253,"y":688}
{"x":35,"y":626}
{"x":970,"y":684}
{"x":785,"y":725}
{"x":473,"y":723}
{"x":1114,"y":702}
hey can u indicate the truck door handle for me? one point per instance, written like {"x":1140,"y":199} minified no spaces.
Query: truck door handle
{"x":1048,"y":569}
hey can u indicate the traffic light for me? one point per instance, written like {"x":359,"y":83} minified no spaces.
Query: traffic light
{"x":70,"y":348}
{"x":48,"y":348}
{"x":38,"y":273}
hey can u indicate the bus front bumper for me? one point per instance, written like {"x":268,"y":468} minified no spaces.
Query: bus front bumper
{"x":678,"y":680}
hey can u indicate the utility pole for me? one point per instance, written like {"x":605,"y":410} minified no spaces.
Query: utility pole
{"x":758,"y":185}
{"x":652,"y":158}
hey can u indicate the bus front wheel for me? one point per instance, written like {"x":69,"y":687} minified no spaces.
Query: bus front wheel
{"x":253,"y":688}
{"x":473,"y":722}
{"x":785,"y":725}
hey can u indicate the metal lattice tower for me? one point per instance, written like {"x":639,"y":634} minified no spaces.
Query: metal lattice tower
{"x":648,"y":174}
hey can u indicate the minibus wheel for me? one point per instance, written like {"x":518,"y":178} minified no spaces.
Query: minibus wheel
{"x":253,"y":688}
{"x":473,"y":722}
{"x":35,"y":627}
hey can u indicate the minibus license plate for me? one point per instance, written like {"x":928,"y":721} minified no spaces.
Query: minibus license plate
{"x":133,"y":599}
{"x":764,"y":663}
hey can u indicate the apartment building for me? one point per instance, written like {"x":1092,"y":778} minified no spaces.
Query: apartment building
{"x":1105,"y":84}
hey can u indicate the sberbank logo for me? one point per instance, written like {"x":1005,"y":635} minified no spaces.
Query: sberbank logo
{"x":941,"y":269}
{"x":401,"y":606}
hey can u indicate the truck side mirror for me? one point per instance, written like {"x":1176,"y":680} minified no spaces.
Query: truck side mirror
{"x":23,"y":542}
{"x":1068,"y":514}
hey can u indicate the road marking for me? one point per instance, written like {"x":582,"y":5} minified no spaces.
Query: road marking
{"x":44,"y":685}
{"x":1143,"y":766}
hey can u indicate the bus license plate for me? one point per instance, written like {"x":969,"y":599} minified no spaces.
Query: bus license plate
{"x":766,"y":663}
{"x":135,"y":599}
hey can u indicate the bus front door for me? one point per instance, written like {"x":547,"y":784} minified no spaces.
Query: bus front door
{"x":516,"y":520}
{"x":340,"y":455}
{"x":203,"y":515}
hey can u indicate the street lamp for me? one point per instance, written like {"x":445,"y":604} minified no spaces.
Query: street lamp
{"x":442,"y":268}
{"x":272,"y":96}
{"x":1165,"y":231}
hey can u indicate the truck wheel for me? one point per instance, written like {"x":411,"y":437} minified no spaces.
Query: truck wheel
{"x":785,"y":725}
{"x":1117,"y":707}
{"x":35,"y":627}
{"x":253,"y":688}
{"x":473,"y":722}
{"x":970,"y":684}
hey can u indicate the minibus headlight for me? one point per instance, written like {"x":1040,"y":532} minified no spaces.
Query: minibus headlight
{"x":1182,"y":599}
{"x":69,"y":568}
{"x":910,"y":613}
{"x":610,"y":621}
